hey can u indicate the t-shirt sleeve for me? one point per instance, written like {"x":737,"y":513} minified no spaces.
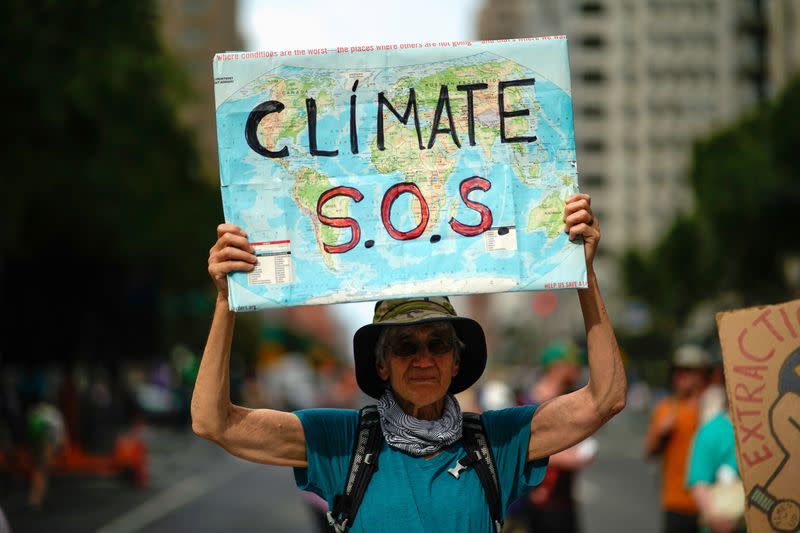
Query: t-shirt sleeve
{"x":329,"y":435}
{"x":509,"y":433}
{"x":702,"y":465}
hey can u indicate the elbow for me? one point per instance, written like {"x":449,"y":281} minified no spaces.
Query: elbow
{"x":617,"y":407}
{"x":619,"y":398}
{"x":612,"y":406}
{"x":619,"y":402}
{"x":203,"y":429}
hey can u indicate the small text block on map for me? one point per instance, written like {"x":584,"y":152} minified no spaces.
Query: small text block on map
{"x":501,"y":239}
{"x":274,"y":265}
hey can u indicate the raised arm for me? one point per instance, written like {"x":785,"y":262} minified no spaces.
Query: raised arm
{"x":566,"y":420}
{"x":261,"y":435}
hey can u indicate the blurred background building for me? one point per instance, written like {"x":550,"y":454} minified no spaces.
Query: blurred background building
{"x":649,"y":78}
{"x":193,"y":31}
{"x":783,"y":40}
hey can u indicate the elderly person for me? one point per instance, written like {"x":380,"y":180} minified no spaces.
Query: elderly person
{"x":415,"y":355}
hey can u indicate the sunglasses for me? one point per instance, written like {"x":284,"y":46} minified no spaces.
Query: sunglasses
{"x":411,"y":347}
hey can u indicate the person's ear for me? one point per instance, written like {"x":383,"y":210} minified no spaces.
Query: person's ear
{"x":382,"y":371}
{"x":456,"y":366}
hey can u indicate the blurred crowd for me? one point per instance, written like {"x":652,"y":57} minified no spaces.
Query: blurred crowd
{"x":88,"y":418}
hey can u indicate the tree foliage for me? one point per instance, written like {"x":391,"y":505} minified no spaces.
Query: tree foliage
{"x":746,"y":185}
{"x":105,"y":215}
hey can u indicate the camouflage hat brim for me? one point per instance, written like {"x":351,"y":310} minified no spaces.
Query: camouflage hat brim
{"x":414,"y":311}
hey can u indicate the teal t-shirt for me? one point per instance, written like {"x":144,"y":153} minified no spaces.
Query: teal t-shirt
{"x":714,"y":446}
{"x":413,"y":494}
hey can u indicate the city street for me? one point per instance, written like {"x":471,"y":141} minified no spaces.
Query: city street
{"x":197,"y":487}
{"x":620,"y":491}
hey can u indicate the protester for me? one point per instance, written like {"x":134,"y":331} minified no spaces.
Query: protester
{"x":551,"y":506}
{"x":713,"y":476}
{"x":415,"y":355}
{"x":672,"y":427}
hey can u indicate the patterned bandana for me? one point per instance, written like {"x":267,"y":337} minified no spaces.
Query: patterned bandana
{"x":419,"y":437}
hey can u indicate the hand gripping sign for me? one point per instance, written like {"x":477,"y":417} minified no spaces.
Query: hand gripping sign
{"x":761,"y":352}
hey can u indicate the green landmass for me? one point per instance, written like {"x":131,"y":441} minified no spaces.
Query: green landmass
{"x":298,"y":90}
{"x":309,"y":186}
{"x":548,"y":215}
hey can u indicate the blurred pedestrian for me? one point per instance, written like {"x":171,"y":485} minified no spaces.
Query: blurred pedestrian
{"x":551,"y":506}
{"x":713,"y":400}
{"x":713,"y":476}
{"x":415,"y":355}
{"x":672,"y":427}
{"x":46,"y":433}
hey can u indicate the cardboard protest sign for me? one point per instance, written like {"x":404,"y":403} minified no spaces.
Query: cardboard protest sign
{"x":761,"y":352}
{"x":416,"y":169}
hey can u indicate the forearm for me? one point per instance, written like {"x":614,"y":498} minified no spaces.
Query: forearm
{"x":607,"y":385}
{"x":701,"y":498}
{"x":211,"y":398}
{"x":654,"y":443}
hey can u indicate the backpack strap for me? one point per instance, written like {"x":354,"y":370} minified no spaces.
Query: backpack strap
{"x":479,"y":456}
{"x":363,"y":464}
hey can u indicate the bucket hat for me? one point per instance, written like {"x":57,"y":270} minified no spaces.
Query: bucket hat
{"x":414,"y":311}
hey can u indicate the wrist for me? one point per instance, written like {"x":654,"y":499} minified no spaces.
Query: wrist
{"x":222,"y":302}
{"x":591,"y":279}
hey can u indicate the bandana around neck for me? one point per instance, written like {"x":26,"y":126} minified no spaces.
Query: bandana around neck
{"x":419,"y":437}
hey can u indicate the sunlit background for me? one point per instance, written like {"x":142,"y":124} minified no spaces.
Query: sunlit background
{"x":687,"y":122}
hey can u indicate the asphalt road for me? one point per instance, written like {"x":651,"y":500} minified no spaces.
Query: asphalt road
{"x":197,"y":487}
{"x":620,"y":491}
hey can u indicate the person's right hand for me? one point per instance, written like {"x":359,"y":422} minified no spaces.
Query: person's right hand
{"x":232,"y":252}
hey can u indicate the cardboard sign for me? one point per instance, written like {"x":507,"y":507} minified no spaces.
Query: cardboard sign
{"x":417,"y":169}
{"x":761,"y":352}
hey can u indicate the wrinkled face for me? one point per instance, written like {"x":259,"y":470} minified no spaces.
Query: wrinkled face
{"x":419,"y":362}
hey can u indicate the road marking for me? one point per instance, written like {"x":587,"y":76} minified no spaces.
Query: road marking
{"x":178,"y":495}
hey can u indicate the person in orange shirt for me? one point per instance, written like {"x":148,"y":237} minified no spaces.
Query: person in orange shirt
{"x":672,"y":428}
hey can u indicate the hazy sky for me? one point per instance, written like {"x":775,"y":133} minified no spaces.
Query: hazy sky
{"x":283,"y":24}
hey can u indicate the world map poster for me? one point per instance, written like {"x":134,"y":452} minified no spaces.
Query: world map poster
{"x":415,"y":169}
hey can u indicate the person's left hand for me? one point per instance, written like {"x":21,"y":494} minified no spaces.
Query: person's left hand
{"x":581,"y":222}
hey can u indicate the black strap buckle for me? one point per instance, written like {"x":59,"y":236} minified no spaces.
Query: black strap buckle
{"x":339,"y":526}
{"x":464,"y":463}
